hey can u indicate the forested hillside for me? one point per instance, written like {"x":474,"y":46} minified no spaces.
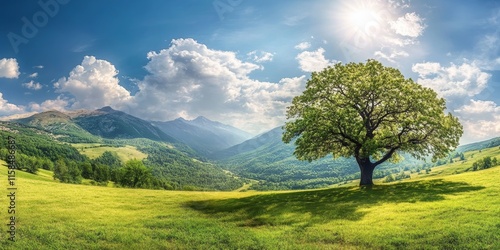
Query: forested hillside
{"x":166,"y":167}
{"x":268,"y":159}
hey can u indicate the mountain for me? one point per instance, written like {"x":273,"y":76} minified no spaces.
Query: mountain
{"x":177,"y":166}
{"x":479,"y":145}
{"x":112,"y":124}
{"x":60,"y":124}
{"x":90,"y":126}
{"x":269,"y":139}
{"x":203,"y":135}
{"x":267,"y":158}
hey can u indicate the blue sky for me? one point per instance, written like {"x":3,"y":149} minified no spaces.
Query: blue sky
{"x":240,"y":61}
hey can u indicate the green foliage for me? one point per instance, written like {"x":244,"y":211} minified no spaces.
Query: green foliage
{"x":484,"y":163}
{"x":391,"y":178}
{"x":110,"y":159}
{"x":67,"y":171}
{"x":29,"y":164}
{"x":445,"y":212}
{"x":181,"y":172}
{"x":38,"y":143}
{"x":134,"y":174}
{"x":370,"y":112}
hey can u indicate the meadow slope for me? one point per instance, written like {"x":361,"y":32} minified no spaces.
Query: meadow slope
{"x":458,"y":211}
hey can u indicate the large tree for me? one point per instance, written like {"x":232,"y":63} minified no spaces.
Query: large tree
{"x":369,"y":112}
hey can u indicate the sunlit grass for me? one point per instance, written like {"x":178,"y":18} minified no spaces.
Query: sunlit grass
{"x":458,"y":211}
{"x":94,"y":150}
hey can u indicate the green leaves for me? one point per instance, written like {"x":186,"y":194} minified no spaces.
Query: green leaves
{"x":368,"y":110}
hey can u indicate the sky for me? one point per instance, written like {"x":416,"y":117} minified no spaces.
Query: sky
{"x":241,"y":62}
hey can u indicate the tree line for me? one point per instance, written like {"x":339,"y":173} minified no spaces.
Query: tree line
{"x":163,"y":169}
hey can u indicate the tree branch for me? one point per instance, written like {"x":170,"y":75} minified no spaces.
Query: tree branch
{"x":387,"y":156}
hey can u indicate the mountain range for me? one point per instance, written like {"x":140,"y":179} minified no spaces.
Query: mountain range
{"x":203,"y":135}
{"x":83,"y":125}
{"x":264,"y":157}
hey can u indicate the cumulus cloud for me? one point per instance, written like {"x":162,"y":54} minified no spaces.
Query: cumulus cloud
{"x":189,"y":79}
{"x":32,"y":85}
{"x":454,"y":82}
{"x":34,"y":75}
{"x":303,"y":45}
{"x":311,"y":61}
{"x":260,"y":56}
{"x":479,"y":108}
{"x":410,"y":25}
{"x":9,"y":68}
{"x":459,"y":84}
{"x":94,"y":84}
{"x":481,"y":120}
{"x":7,"y":108}
{"x":59,"y":104}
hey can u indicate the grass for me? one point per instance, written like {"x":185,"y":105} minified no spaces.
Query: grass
{"x":457,"y":211}
{"x":94,"y":150}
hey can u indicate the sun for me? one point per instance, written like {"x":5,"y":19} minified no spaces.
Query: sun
{"x":361,"y":19}
{"x":363,"y":22}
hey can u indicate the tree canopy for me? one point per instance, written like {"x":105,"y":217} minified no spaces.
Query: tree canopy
{"x":369,"y":112}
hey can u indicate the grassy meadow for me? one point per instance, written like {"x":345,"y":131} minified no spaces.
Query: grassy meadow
{"x":446,"y":209}
{"x":94,"y":150}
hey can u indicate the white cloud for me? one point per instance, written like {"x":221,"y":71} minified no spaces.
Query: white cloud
{"x":366,"y":28}
{"x":7,"y":108}
{"x":59,"y":104}
{"x":34,"y":75}
{"x":32,"y":85}
{"x":260,"y":56}
{"x":94,"y":84}
{"x":39,"y":67}
{"x":481,"y":120}
{"x":311,"y":61}
{"x":303,"y":45}
{"x":9,"y":68}
{"x":16,"y":116}
{"x":410,"y":25}
{"x":479,"y":108}
{"x":189,"y":79}
{"x":392,"y":55}
{"x":453,"y":82}
{"x":480,"y":130}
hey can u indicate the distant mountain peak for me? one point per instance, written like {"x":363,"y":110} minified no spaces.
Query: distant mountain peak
{"x":202,"y":119}
{"x":202,"y":134}
{"x":106,"y":109}
{"x":180,"y":119}
{"x":51,"y":114}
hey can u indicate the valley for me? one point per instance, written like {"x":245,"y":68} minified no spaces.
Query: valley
{"x":208,"y":200}
{"x":440,"y":210}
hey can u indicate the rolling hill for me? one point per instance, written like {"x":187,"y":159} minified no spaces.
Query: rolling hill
{"x":45,"y":136}
{"x":441,"y":210}
{"x":60,"y":124}
{"x":267,"y":158}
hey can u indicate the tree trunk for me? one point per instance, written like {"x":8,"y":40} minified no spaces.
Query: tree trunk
{"x":366,"y":167}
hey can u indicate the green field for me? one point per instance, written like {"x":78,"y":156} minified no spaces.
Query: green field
{"x":94,"y":150}
{"x":440,"y":210}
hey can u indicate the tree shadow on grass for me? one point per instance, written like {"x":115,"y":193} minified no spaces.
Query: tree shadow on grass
{"x":322,"y":206}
